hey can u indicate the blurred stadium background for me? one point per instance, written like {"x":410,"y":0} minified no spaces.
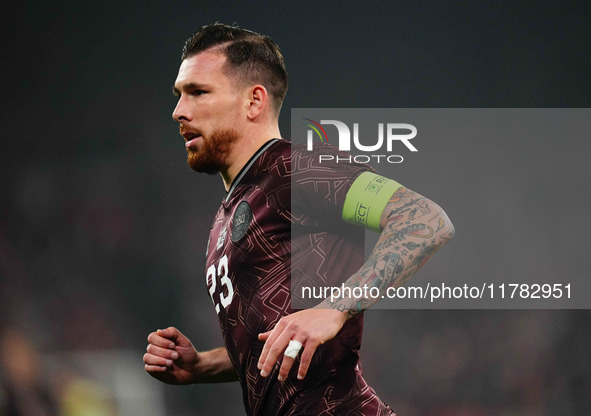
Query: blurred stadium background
{"x":103,"y":227}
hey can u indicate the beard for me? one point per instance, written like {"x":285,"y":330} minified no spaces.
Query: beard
{"x":214,"y":151}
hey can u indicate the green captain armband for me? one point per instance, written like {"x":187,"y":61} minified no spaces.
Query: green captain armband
{"x":366,"y":199}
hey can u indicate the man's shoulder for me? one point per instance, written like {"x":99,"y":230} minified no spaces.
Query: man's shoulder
{"x":285,"y":161}
{"x":301,"y":149}
{"x":274,"y":161}
{"x":287,"y":149}
{"x":325,"y":160}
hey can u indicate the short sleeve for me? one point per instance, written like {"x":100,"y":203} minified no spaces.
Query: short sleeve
{"x":319,"y":186}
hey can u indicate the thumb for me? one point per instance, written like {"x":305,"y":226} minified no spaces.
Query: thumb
{"x":264,"y":335}
{"x":175,"y":336}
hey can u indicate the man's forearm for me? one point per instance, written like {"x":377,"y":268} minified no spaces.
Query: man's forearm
{"x":414,"y":228}
{"x":215,"y":366}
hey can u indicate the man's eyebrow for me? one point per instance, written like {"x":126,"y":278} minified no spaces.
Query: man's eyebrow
{"x":191,"y":86}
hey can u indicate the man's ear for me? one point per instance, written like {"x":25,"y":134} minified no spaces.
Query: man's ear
{"x":258,"y":101}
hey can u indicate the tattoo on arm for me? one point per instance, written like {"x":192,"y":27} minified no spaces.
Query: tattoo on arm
{"x":415,"y":228}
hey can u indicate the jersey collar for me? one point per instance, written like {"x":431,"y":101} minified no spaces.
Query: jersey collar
{"x":247,"y":166}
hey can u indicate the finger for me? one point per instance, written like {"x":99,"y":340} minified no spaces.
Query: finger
{"x":160,"y":341}
{"x":286,"y":365}
{"x":154,"y":369}
{"x":162,"y":352}
{"x":271,"y":336}
{"x":306,"y":358}
{"x":263,"y":337}
{"x":275,"y":352}
{"x":154,"y":360}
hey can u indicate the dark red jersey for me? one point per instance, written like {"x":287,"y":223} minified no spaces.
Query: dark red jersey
{"x":260,"y":236}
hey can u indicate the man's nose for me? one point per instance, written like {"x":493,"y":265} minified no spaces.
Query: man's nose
{"x":181,"y":111}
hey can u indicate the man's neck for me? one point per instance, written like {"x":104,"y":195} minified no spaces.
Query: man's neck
{"x":242,"y":152}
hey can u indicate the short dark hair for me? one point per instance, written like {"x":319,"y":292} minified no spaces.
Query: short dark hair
{"x":251,"y":56}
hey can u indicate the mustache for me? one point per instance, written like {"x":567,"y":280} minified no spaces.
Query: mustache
{"x":184,"y":130}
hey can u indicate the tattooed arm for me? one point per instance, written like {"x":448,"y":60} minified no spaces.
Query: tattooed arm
{"x":413,"y":229}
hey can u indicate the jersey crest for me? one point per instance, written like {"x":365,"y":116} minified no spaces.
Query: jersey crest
{"x":241,"y":221}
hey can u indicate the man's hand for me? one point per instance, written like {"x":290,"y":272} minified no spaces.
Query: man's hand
{"x":311,"y":327}
{"x":171,"y":357}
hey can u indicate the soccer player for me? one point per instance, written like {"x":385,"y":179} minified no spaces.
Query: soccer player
{"x":230,"y":87}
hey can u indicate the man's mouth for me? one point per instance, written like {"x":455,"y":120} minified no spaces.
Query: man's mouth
{"x":191,"y":139}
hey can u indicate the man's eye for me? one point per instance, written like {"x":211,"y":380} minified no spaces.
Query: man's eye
{"x":198,"y":92}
